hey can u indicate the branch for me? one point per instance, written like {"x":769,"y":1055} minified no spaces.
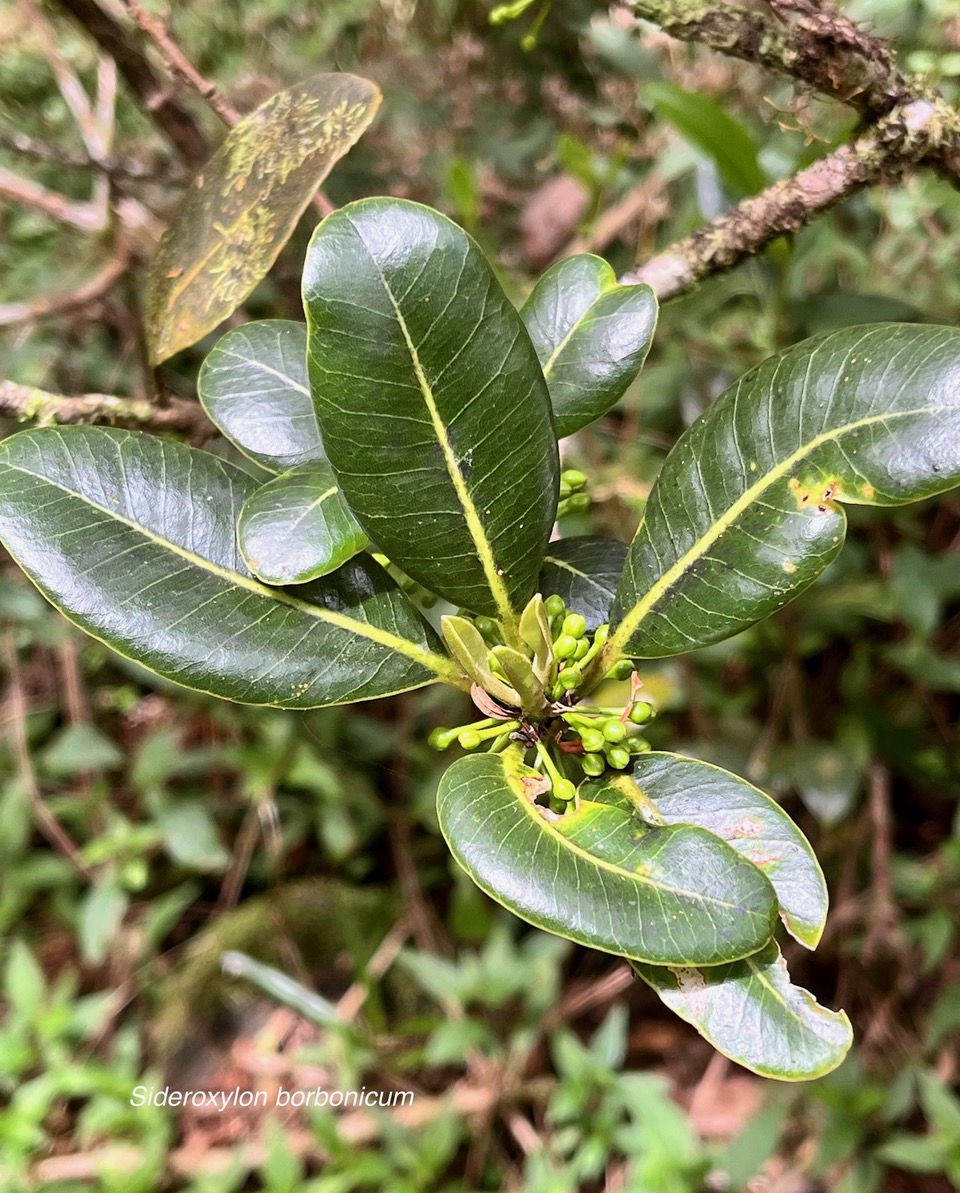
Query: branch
{"x":86,"y":216}
{"x":25,"y":402}
{"x":166,"y":110}
{"x":44,"y":306}
{"x":892,"y":146}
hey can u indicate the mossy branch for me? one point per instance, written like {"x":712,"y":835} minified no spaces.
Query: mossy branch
{"x":26,"y":403}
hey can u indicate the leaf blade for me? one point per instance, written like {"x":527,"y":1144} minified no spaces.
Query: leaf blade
{"x":232,"y":223}
{"x":584,"y":570}
{"x":598,"y":884}
{"x":752,"y":1013}
{"x":591,"y":334}
{"x":745,"y":513}
{"x":74,"y":501}
{"x":425,"y":382}
{"x":253,"y":385}
{"x":298,"y":527}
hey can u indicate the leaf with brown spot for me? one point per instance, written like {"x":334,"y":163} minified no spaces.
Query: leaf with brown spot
{"x":233,"y":222}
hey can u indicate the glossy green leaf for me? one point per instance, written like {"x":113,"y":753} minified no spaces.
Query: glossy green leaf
{"x":746,"y":510}
{"x":751,"y":1012}
{"x":601,"y":875}
{"x":134,"y":539}
{"x":712,"y":131}
{"x":298,"y":527}
{"x":238,"y":214}
{"x":254,"y":386}
{"x":591,"y":335}
{"x":585,"y":571}
{"x":687,"y":791}
{"x":432,"y":406}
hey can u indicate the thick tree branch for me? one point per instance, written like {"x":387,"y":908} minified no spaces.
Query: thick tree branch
{"x":26,"y":403}
{"x":892,"y":146}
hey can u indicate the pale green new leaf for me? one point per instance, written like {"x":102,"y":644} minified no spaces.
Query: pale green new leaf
{"x":600,"y":875}
{"x":752,"y":1013}
{"x":591,"y":335}
{"x":298,"y":527}
{"x":431,"y":403}
{"x":747,"y":509}
{"x":254,"y":387}
{"x":134,"y":539}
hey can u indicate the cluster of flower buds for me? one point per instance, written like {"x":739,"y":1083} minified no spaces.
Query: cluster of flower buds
{"x":573,"y":496}
{"x":531,"y":684}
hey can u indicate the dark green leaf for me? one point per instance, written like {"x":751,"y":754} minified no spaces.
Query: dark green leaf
{"x":254,"y":386}
{"x":591,"y":335}
{"x":712,"y":131}
{"x":687,"y":791}
{"x":298,"y":527}
{"x":601,"y":875}
{"x":752,"y":1012}
{"x":584,"y":570}
{"x":134,"y":539}
{"x":432,"y":406}
{"x":745,"y":514}
{"x":236,"y":217}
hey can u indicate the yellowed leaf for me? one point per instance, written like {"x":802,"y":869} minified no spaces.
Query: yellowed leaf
{"x":231,"y":225}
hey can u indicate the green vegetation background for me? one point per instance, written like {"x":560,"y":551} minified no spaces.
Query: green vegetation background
{"x":308,"y":842}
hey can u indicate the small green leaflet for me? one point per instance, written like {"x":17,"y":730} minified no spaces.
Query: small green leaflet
{"x":298,"y":527}
{"x":134,"y":539}
{"x":747,"y":509}
{"x":239,"y":213}
{"x":254,"y":387}
{"x":432,"y":406}
{"x":600,"y":875}
{"x":752,"y":1013}
{"x":591,"y":336}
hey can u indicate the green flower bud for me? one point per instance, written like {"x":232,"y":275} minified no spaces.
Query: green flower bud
{"x":622,"y":669}
{"x":574,"y":478}
{"x":582,"y":647}
{"x":469,"y":739}
{"x":489,"y":629}
{"x":441,"y":738}
{"x":592,"y":740}
{"x":565,"y":492}
{"x":570,"y":678}
{"x":564,"y":647}
{"x":641,"y":712}
{"x":614,"y":730}
{"x":564,"y":789}
{"x":593,"y":765}
{"x":578,"y":503}
{"x":639,"y":745}
{"x":618,"y":757}
{"x":553,"y":606}
{"x":575,"y":625}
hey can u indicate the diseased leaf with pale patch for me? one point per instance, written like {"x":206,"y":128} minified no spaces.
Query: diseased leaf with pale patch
{"x":239,"y":213}
{"x":254,"y":387}
{"x":688,"y":791}
{"x":432,"y":406}
{"x":298,"y":527}
{"x":747,"y":509}
{"x":591,"y":334}
{"x":752,"y":1013}
{"x":601,"y":875}
{"x":584,"y":570}
{"x":133,"y":537}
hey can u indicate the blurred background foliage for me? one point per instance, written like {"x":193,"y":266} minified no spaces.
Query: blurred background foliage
{"x":144,"y":831}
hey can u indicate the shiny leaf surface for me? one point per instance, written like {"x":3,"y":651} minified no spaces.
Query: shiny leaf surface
{"x":747,"y":509}
{"x":253,"y":385}
{"x":585,"y":571}
{"x":601,"y":875}
{"x":591,"y":335}
{"x":431,"y":403}
{"x":134,"y":539}
{"x":687,"y":791}
{"x":298,"y":527}
{"x":751,"y":1012}
{"x":238,"y":214}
